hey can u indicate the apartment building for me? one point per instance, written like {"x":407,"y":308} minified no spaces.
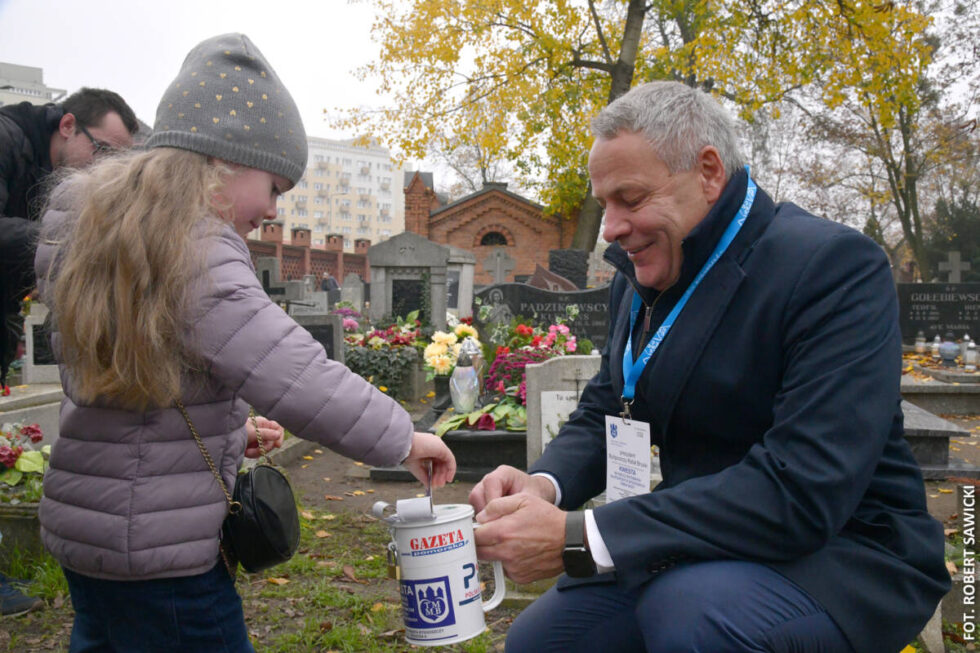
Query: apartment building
{"x":20,"y":83}
{"x":347,"y":190}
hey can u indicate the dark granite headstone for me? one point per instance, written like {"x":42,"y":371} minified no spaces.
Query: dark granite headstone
{"x":937,"y":308}
{"x":42,"y":344}
{"x":573,"y":264}
{"x":452,"y":288}
{"x":328,"y":330}
{"x":509,"y":300}
{"x":406,"y":296}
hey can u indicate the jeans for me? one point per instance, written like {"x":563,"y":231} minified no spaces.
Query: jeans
{"x":188,"y":614}
{"x":709,"y":607}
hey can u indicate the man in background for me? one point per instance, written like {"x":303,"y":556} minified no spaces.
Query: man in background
{"x":34,"y":142}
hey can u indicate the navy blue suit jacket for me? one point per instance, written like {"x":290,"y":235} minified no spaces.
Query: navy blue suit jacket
{"x":775,"y":403}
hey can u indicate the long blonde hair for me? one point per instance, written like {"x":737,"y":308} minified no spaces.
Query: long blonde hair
{"x":124,"y":266}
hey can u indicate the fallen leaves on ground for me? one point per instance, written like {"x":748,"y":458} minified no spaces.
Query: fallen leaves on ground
{"x":277,"y":581}
{"x":332,"y":497}
{"x":322,"y":534}
{"x":349,"y":573}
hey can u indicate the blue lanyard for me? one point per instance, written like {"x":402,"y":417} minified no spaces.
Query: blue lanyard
{"x":631,"y":371}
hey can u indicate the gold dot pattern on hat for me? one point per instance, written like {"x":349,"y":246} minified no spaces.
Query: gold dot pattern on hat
{"x":227,"y":98}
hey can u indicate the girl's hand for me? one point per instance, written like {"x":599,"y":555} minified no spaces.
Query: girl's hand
{"x":270,"y":432}
{"x":428,"y":446}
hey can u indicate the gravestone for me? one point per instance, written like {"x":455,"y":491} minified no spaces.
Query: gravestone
{"x":954,"y":266}
{"x":314,"y":303}
{"x":935,"y":308}
{"x":328,"y":330}
{"x":499,"y":264}
{"x":408,"y":295}
{"x":281,"y":292}
{"x":600,"y":271}
{"x":573,"y":264}
{"x":404,"y":269}
{"x":39,"y":362}
{"x":352,"y":291}
{"x":543,"y":307}
{"x":553,"y":391}
{"x":928,"y":436}
{"x":548,"y":280}
{"x":460,"y":271}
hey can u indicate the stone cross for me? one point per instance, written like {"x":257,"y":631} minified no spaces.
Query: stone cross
{"x":954,"y":266}
{"x":499,"y":264}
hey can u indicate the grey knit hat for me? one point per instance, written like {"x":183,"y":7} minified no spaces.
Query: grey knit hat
{"x":228,"y":102}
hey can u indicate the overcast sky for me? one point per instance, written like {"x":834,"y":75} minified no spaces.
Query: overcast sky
{"x":135,"y":48}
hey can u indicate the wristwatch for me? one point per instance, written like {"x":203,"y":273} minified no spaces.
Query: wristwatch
{"x":576,"y":557}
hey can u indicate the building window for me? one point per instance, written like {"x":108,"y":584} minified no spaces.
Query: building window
{"x":281,"y":211}
{"x":493,"y":239}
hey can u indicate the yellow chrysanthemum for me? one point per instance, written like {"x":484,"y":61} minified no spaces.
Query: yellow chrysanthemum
{"x":464,"y":330}
{"x":441,"y":364}
{"x":376,"y":343}
{"x":435,"y":349}
{"x":444,"y":338}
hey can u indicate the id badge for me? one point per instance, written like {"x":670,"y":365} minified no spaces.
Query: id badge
{"x":627,"y":458}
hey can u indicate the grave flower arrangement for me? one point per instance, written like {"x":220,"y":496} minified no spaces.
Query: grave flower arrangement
{"x":23,"y":461}
{"x":523,"y":344}
{"x":385,"y":355}
{"x":441,"y":352}
{"x":350,"y":317}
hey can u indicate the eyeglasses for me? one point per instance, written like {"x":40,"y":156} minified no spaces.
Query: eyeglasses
{"x":98,"y":147}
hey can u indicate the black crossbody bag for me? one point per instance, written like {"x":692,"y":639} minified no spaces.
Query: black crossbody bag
{"x":261,"y":529}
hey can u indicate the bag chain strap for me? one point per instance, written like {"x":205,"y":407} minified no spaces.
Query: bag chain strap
{"x":234,"y":507}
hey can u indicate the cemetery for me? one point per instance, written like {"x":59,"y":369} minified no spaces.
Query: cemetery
{"x":422,"y":325}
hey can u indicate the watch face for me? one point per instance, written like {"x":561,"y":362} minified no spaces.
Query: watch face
{"x":578,"y":562}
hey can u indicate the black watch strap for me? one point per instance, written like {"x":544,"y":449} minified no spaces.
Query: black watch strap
{"x":574,"y":529}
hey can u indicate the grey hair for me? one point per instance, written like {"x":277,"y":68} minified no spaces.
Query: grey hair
{"x":678,"y":121}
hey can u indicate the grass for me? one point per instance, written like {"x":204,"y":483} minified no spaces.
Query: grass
{"x":334,"y":595}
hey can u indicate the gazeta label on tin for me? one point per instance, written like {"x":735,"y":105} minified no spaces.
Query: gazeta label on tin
{"x":439,"y":543}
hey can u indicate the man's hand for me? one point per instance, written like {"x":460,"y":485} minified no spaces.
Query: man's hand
{"x":526,"y":533}
{"x":505,"y":481}
{"x":426,"y":446}
{"x":270,"y":432}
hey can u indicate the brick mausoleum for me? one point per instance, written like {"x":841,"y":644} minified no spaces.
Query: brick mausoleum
{"x":479,"y":223}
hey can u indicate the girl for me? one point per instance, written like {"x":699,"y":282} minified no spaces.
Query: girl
{"x":155,"y":301}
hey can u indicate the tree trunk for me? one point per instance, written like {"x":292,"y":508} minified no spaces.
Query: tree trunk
{"x":590,"y":216}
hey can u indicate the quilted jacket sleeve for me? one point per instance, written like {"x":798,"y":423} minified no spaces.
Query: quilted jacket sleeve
{"x":252,"y":347}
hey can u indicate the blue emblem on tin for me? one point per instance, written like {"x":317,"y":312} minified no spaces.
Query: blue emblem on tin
{"x":613,"y":431}
{"x":427,"y":603}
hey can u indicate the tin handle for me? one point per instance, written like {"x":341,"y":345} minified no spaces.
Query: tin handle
{"x":498,"y":587}
{"x":498,"y":582}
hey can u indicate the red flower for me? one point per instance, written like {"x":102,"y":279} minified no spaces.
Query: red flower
{"x":8,"y":456}
{"x":32,"y":431}
{"x":5,"y":391}
{"x":535,"y":341}
{"x":485,"y":423}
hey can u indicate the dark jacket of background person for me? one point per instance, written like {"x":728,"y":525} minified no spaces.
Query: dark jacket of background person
{"x":128,"y":495}
{"x":775,"y":402}
{"x":25,"y":162}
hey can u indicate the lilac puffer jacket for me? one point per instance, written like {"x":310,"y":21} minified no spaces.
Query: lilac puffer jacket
{"x":129,"y":496}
